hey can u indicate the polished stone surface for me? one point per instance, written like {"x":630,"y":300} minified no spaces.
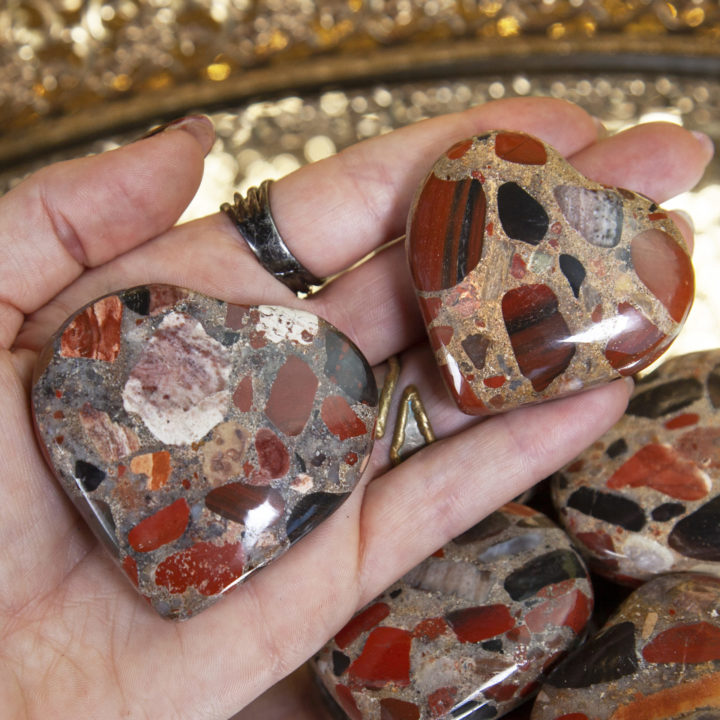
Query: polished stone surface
{"x":645,"y":498}
{"x":469,"y":631}
{"x":535,"y":282}
{"x":657,"y":658}
{"x":200,"y":439}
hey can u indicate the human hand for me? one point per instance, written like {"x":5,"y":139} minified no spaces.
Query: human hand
{"x":75,"y":639}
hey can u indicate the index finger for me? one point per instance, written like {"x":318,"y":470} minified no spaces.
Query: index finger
{"x":82,"y":213}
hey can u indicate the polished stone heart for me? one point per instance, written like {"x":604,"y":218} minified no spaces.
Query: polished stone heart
{"x":645,"y":498}
{"x":535,"y":282}
{"x":201,"y":439}
{"x":469,"y":631}
{"x":658,"y":657}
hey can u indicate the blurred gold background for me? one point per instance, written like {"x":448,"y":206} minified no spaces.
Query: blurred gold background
{"x":291,"y":81}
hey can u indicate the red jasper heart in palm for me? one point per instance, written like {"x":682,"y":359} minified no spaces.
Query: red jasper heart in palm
{"x":535,"y":282}
{"x":201,"y":439}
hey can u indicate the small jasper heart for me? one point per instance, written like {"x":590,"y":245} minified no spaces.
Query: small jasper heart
{"x":535,"y":282}
{"x":201,"y":439}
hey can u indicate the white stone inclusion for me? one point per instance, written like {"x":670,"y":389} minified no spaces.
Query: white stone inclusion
{"x":279,"y":323}
{"x":645,"y":554}
{"x":179,"y":386}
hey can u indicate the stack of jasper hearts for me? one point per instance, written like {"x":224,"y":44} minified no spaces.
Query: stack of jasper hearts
{"x":535,"y":282}
{"x":643,"y":505}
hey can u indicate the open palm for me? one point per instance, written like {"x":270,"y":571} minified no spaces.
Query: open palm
{"x":75,"y":639}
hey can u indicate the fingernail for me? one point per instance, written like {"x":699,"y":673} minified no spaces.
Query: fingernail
{"x":199,"y":126}
{"x":629,"y":383}
{"x":686,"y":217}
{"x":706,"y":142}
{"x":602,"y":131}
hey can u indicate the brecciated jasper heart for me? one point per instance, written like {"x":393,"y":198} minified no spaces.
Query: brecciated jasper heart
{"x":468,"y":632}
{"x":645,"y":498}
{"x":201,"y":439}
{"x":657,"y":658}
{"x":535,"y":282}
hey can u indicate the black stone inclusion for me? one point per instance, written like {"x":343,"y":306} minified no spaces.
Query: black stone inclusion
{"x":317,"y":459}
{"x":574,"y":271}
{"x":229,"y":338}
{"x":616,"y":448}
{"x":548,"y":569}
{"x":604,"y":658}
{"x":346,"y":367}
{"x":340,"y":662}
{"x":89,"y":475}
{"x":698,"y":534}
{"x":137,"y":300}
{"x":522,"y":216}
{"x":494,"y":645}
{"x":713,"y":385}
{"x":666,"y":398}
{"x":614,"y":509}
{"x":311,"y":511}
{"x":667,"y":511}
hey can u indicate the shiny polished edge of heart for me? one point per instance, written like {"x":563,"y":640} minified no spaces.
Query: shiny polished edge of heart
{"x":478,"y":278}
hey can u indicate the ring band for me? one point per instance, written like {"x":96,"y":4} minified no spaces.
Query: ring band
{"x":253,"y":219}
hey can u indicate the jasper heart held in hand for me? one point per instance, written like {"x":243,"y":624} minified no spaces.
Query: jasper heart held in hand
{"x":200,"y":439}
{"x":535,"y":282}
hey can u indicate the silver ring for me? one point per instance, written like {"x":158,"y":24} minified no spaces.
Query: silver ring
{"x":253,"y":219}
